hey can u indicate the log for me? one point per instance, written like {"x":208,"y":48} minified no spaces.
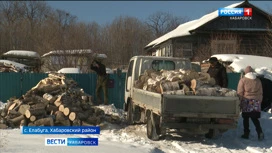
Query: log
{"x":32,"y":118}
{"x":60,"y":118}
{"x":23,"y":122}
{"x":40,"y":100}
{"x":45,"y":122}
{"x":11,"y":106}
{"x":23,"y":108}
{"x":72,"y":116}
{"x":84,"y":123}
{"x":17,"y":120}
{"x":34,"y":112}
{"x":27,"y":99}
{"x":75,"y":109}
{"x":169,"y":86}
{"x":51,"y":109}
{"x":3,"y":113}
{"x":61,"y":107}
{"x":37,"y":86}
{"x":38,"y":106}
{"x":51,"y":88}
{"x":77,"y":122}
{"x":5,"y":110}
{"x":56,"y":92}
{"x":207,"y":92}
{"x":85,"y":106}
{"x":3,"y":120}
{"x":139,"y":84}
{"x":175,"y":92}
{"x":195,"y":84}
{"x":14,"y":113}
{"x":56,"y":76}
{"x":19,"y":103}
{"x":3,"y":126}
{"x":83,"y":116}
{"x":94,"y":120}
{"x":58,"y":101}
{"x":48,"y":97}
{"x":66,"y":111}
{"x":31,"y":124}
{"x":99,"y":112}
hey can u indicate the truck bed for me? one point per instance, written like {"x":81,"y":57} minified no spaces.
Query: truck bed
{"x":187,"y":106}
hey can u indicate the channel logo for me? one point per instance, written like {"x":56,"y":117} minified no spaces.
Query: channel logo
{"x":71,"y":141}
{"x":55,"y":141}
{"x":233,"y":12}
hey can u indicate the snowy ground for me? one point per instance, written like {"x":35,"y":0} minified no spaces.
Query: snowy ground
{"x":132,"y":139}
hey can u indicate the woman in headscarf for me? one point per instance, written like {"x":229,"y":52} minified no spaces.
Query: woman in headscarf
{"x":251,"y":94}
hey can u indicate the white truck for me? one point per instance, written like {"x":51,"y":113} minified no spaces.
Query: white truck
{"x":164,"y":112}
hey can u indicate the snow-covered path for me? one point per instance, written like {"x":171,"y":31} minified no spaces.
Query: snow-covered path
{"x":133,"y":139}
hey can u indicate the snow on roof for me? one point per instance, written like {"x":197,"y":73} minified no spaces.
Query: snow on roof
{"x":185,"y":28}
{"x":261,"y":64}
{"x":22,"y":53}
{"x":77,"y":51}
{"x":17,"y":65}
{"x":69,"y":70}
{"x":100,"y":56}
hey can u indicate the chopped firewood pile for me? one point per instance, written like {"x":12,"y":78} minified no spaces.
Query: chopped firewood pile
{"x":185,"y":82}
{"x":8,"y":68}
{"x":54,"y":101}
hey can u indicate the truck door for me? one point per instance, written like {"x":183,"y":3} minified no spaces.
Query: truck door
{"x":129,"y":80}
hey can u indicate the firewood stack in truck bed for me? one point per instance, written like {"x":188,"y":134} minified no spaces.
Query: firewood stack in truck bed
{"x":183,"y":82}
{"x":55,"y":100}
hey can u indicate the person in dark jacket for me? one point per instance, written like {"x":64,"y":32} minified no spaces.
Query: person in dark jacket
{"x":250,"y":92}
{"x":218,"y":72}
{"x":102,"y":80}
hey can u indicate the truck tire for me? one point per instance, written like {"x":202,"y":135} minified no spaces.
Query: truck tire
{"x":130,"y":114}
{"x":152,"y":128}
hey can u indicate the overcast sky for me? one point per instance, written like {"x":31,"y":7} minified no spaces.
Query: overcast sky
{"x":104,"y":12}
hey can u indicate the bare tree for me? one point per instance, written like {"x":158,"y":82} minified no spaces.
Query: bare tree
{"x":162,"y":22}
{"x":123,"y":38}
{"x":11,"y":15}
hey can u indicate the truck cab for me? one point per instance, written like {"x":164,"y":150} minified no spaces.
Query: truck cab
{"x":138,"y":64}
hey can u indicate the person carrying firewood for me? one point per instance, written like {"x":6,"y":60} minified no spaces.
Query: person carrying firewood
{"x":219,"y":73}
{"x":102,"y":79}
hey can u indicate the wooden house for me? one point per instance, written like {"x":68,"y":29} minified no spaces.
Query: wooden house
{"x":214,"y":34}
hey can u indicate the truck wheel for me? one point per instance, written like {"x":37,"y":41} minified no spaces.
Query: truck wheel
{"x":152,"y":128}
{"x":130,"y":114}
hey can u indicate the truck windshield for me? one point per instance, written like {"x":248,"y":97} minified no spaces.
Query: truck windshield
{"x":161,"y":64}
{"x":156,"y":64}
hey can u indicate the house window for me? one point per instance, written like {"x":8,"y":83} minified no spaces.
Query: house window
{"x":223,"y":46}
{"x":187,"y":49}
{"x":163,"y":51}
{"x":158,"y":52}
{"x":168,"y":51}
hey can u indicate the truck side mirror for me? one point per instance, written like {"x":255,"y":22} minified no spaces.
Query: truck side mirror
{"x":129,"y":83}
